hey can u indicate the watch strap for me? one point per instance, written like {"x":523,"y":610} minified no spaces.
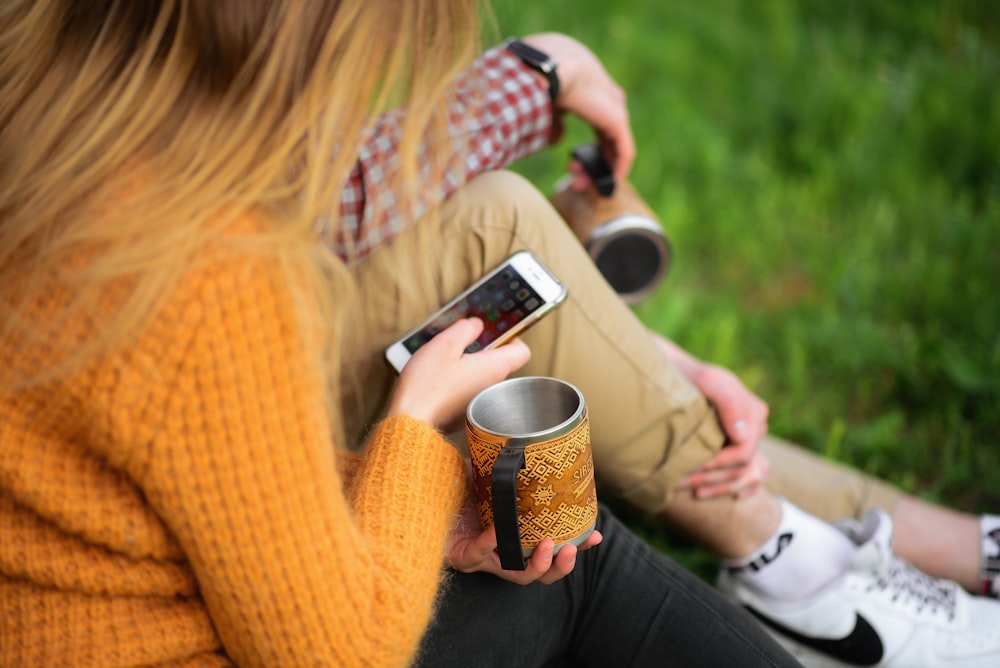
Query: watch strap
{"x":537,"y":60}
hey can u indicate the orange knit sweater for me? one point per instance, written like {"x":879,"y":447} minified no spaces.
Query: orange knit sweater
{"x":181,"y":503}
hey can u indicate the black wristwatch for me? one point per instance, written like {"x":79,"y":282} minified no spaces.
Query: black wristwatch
{"x":538,"y":61}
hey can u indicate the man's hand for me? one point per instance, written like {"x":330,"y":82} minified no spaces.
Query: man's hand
{"x":586,"y":90}
{"x":739,"y":469}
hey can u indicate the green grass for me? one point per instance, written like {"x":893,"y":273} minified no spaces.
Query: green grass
{"x":829,"y":176}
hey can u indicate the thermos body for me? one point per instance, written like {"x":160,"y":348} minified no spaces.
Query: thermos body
{"x":619,"y":231}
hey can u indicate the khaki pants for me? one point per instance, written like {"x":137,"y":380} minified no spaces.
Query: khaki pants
{"x":650,"y":426}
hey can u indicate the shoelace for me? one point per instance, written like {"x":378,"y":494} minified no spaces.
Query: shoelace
{"x":930,"y":593}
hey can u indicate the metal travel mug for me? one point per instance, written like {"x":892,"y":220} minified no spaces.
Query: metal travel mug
{"x":619,"y":231}
{"x":532,"y":465}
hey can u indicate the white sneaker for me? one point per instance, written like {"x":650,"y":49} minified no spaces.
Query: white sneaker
{"x":882,"y":612}
{"x":989,"y":572}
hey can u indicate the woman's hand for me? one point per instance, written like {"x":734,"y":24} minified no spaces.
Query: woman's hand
{"x":470,"y":549}
{"x":586,"y":90}
{"x":440,"y":380}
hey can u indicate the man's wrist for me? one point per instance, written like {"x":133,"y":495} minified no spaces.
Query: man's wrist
{"x":537,"y":60}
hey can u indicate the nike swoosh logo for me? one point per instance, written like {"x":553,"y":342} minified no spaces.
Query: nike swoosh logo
{"x":861,"y":647}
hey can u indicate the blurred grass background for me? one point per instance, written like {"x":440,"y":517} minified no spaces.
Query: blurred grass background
{"x":829,"y":176}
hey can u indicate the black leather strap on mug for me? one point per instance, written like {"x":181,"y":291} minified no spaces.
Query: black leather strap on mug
{"x":503,"y":479}
{"x":597,"y":168}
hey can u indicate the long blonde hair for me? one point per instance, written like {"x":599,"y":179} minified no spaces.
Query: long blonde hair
{"x":191,"y":112}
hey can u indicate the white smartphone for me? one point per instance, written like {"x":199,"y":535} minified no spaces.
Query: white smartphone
{"x":509,"y":299}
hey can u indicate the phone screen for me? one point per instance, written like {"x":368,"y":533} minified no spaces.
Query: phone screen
{"x":500,"y":303}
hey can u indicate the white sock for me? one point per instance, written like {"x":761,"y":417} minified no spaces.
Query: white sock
{"x":801,"y":556}
{"x":989,"y":568}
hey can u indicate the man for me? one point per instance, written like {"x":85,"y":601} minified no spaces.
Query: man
{"x":660,"y":417}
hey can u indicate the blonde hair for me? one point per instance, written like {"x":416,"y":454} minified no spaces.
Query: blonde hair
{"x":188,"y":113}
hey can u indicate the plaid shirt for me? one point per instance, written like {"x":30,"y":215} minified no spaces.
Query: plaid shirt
{"x":513,"y":121}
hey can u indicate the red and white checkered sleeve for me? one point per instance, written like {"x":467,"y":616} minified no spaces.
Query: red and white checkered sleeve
{"x":500,"y":113}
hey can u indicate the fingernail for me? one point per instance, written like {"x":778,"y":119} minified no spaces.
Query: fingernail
{"x":739,"y":427}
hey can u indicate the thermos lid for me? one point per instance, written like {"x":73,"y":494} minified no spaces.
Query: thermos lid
{"x":632,"y":253}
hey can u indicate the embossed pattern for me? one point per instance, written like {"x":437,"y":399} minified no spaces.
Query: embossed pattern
{"x":556,"y":494}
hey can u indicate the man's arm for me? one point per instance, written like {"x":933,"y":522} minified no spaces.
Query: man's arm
{"x":501,"y":113}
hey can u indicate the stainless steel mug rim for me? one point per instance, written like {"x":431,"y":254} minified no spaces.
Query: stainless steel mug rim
{"x":553,"y":431}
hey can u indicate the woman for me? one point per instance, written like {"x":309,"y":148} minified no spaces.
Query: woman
{"x":170,"y":394}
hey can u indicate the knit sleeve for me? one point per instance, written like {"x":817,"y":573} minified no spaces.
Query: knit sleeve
{"x":292,"y":569}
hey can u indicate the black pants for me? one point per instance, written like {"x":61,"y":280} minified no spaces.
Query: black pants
{"x":625,"y":604}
